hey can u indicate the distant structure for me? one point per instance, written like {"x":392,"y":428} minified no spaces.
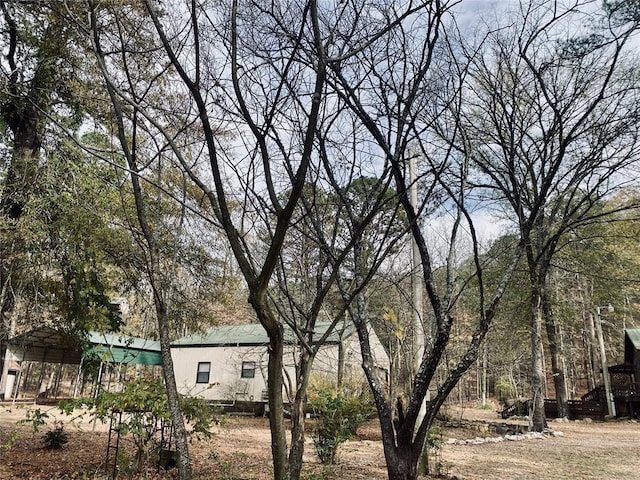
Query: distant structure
{"x":227,"y":365}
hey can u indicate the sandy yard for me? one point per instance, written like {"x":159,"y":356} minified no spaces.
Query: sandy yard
{"x":240,"y":450}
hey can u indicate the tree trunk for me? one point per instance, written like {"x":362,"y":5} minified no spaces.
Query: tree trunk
{"x":537,"y":368}
{"x":303,"y":369}
{"x":483,"y":381}
{"x":557,"y":364}
{"x":588,"y":336}
{"x":297,"y":439}
{"x":173,"y":398}
{"x":402,"y":462}
{"x":341,"y":361}
{"x":596,"y":362}
{"x":275,"y":381}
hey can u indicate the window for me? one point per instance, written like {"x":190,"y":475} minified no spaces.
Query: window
{"x":203,"y":372}
{"x":248,"y":370}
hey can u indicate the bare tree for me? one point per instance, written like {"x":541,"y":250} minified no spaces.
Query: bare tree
{"x":143,"y":152}
{"x":254,"y":79}
{"x":265,"y":84}
{"x":401,"y":89}
{"x":317,"y":252}
{"x":551,"y":127}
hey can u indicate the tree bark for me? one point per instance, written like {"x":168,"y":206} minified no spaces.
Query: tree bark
{"x":275,"y":381}
{"x":296,"y":452}
{"x":402,"y":462}
{"x":557,"y":365}
{"x":341,"y":361}
{"x":173,"y":397}
{"x":538,"y":421}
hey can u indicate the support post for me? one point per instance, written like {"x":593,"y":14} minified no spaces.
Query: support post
{"x":605,"y":371}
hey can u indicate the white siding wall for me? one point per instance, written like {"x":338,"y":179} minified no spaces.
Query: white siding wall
{"x":225,"y":382}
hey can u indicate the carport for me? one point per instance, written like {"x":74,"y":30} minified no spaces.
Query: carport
{"x":46,"y":364}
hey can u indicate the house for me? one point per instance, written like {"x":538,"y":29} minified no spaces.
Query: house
{"x":624,"y":384}
{"x":627,"y":373}
{"x":632,"y":352}
{"x":227,"y":365}
{"x":625,"y":378}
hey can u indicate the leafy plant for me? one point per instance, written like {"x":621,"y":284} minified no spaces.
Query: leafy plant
{"x":143,"y":408}
{"x":36,"y":418}
{"x":8,"y":445}
{"x":433,"y":451}
{"x":339,"y":414}
{"x":505,"y":390}
{"x":56,"y":438}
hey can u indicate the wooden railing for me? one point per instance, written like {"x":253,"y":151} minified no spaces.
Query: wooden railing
{"x":593,"y":404}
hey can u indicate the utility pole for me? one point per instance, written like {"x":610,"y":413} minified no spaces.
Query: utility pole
{"x":416,"y":278}
{"x":603,"y":356}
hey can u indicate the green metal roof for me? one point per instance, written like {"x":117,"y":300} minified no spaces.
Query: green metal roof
{"x":252,"y":334}
{"x":634,"y":336}
{"x":125,"y":341}
{"x":116,"y":348}
{"x":47,"y":344}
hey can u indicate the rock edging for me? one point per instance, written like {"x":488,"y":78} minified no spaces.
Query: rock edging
{"x":509,"y":437}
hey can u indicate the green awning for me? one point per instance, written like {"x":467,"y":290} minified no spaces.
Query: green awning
{"x":124,"y":355}
{"x":116,"y":348}
{"x":49,"y":345}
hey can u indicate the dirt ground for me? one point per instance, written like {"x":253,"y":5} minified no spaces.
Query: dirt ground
{"x":240,"y":450}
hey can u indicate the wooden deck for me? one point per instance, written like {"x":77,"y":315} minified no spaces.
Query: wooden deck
{"x":592,"y":405}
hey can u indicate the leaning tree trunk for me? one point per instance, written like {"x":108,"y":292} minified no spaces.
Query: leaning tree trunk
{"x":173,"y":397}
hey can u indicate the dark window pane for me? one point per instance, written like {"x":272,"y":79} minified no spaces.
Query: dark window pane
{"x":203,"y":372}
{"x":248,"y":370}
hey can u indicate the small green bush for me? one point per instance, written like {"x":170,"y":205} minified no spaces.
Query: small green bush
{"x":433,"y":452}
{"x":55,"y":439}
{"x":145,"y":403}
{"x":338,"y":416}
{"x":8,"y":445}
{"x":36,"y":418}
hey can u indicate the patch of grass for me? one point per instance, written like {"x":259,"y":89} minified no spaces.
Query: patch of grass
{"x":13,"y":437}
{"x":229,"y":468}
{"x":325,"y":474}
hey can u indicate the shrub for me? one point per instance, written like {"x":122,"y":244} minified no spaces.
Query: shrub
{"x":144,"y":403}
{"x":433,"y":452}
{"x":56,"y":438}
{"x":36,"y":418}
{"x":339,"y":414}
